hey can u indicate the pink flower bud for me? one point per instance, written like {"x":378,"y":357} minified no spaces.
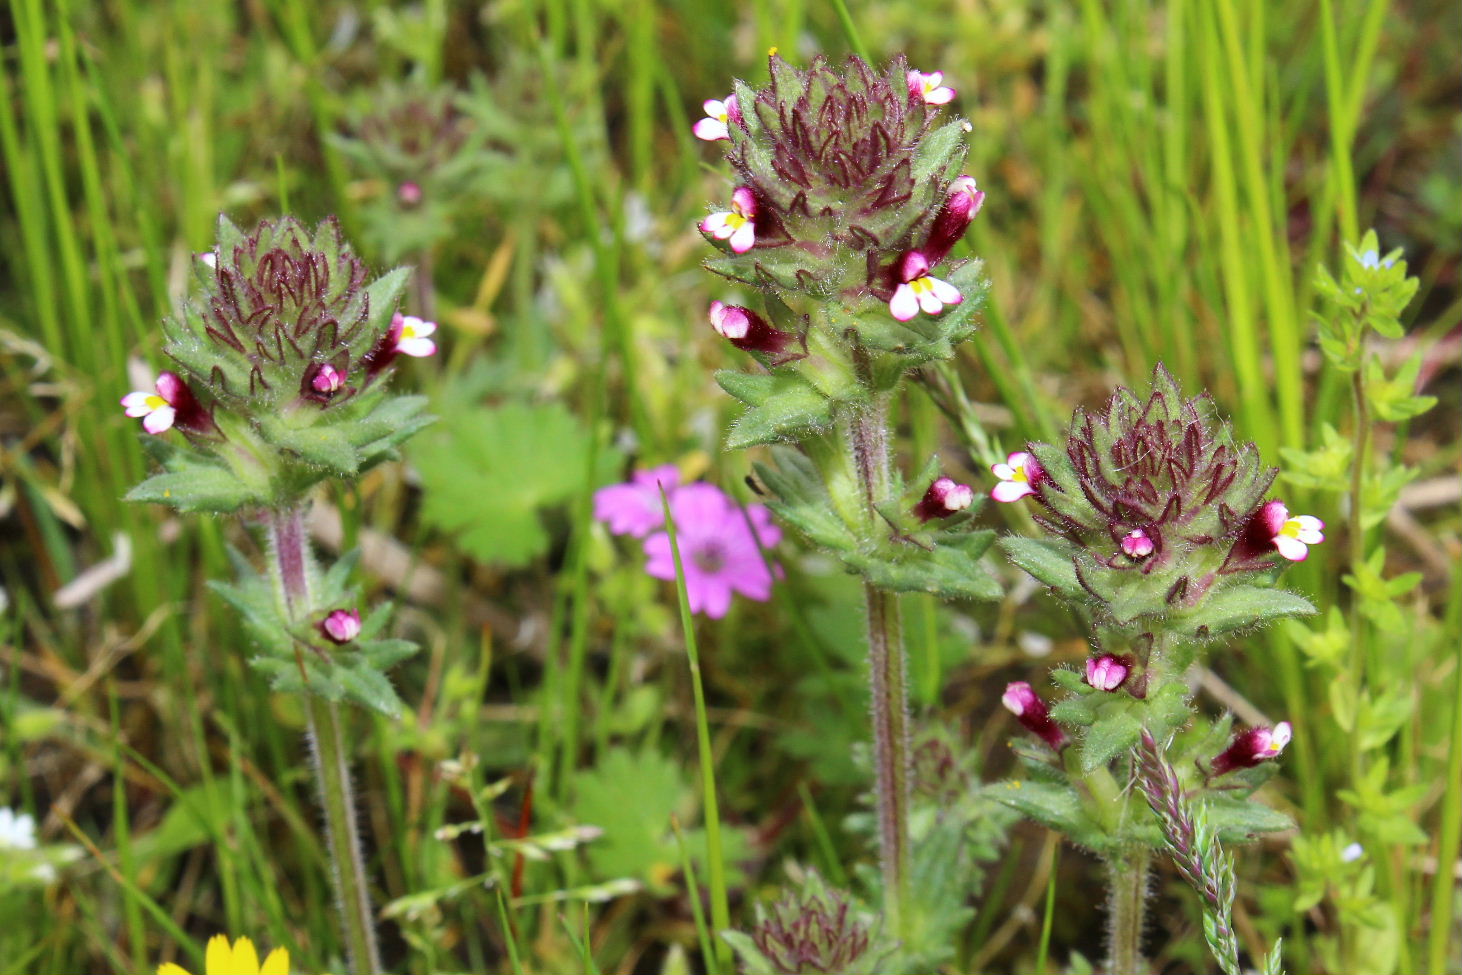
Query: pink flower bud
{"x":747,"y":330}
{"x":327,"y":380}
{"x":409,"y":193}
{"x":954,"y":218}
{"x":1108,"y":672}
{"x":1020,"y":700}
{"x":1136,"y":544}
{"x":340,"y":626}
{"x":1251,"y":747}
{"x":945,"y":497}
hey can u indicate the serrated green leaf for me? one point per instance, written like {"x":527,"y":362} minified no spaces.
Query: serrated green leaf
{"x":1047,"y":562}
{"x":1108,"y":738}
{"x":1241,"y":607}
{"x":197,"y":487}
{"x":792,"y":406}
{"x":1236,"y":820}
{"x":487,"y":476}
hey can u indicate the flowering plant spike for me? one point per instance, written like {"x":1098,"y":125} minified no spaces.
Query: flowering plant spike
{"x":1161,"y":531}
{"x":845,"y":208}
{"x":282,"y":346}
{"x":285,"y":347}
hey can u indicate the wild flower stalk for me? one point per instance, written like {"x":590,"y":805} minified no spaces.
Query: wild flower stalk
{"x":284,"y":347}
{"x":1161,"y":533}
{"x":846,"y":203}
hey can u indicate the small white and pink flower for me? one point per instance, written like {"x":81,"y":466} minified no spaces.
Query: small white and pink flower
{"x":919,"y":291}
{"x":1249,"y":748}
{"x":1021,"y":700}
{"x":736,"y":226}
{"x":930,"y":87}
{"x":1295,"y":533}
{"x":413,"y":337}
{"x":173,"y":404}
{"x":716,"y":126}
{"x":1018,"y":476}
{"x":747,"y":330}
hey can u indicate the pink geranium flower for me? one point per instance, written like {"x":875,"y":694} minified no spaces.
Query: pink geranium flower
{"x":718,"y":552}
{"x":634,"y":508}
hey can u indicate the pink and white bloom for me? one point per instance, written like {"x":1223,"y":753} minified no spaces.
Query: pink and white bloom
{"x":340,"y":625}
{"x":945,"y":497}
{"x":736,"y":226}
{"x":408,"y":335}
{"x":1023,"y":702}
{"x":1251,"y":747}
{"x":747,"y":330}
{"x":173,"y":404}
{"x":919,"y":291}
{"x":719,"y":554}
{"x":634,"y":508}
{"x":930,"y":87}
{"x":1108,"y":672}
{"x":1136,"y":544}
{"x":210,"y":258}
{"x":716,"y":126}
{"x":1019,"y":476}
{"x":1294,"y":534}
{"x":412,"y":339}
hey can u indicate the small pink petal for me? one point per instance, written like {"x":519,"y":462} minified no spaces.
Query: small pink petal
{"x":716,"y":225}
{"x":711,"y":130}
{"x":940,"y":96}
{"x":136,"y":404}
{"x":1007,"y":491}
{"x":744,"y":201}
{"x":417,"y":348}
{"x":930,"y":302}
{"x":743,"y":238}
{"x":1291,"y":548}
{"x":904,"y":305}
{"x":159,"y":420}
{"x":946,"y":292}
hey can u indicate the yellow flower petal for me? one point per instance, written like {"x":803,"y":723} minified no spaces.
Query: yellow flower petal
{"x":170,"y":969}
{"x":276,"y":964}
{"x":219,"y":956}
{"x":246,"y":959}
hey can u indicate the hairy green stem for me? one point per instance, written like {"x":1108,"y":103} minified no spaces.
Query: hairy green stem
{"x":888,"y":677}
{"x":289,"y":565}
{"x":1127,"y":888}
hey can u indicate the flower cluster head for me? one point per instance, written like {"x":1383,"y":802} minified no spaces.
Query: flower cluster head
{"x":1156,"y":501}
{"x":282,"y":348}
{"x":721,"y":542}
{"x":239,"y":958}
{"x":847,"y":183}
{"x":814,"y":929}
{"x":1250,"y":748}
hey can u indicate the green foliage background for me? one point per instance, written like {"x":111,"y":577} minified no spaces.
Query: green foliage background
{"x":1162,"y":179}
